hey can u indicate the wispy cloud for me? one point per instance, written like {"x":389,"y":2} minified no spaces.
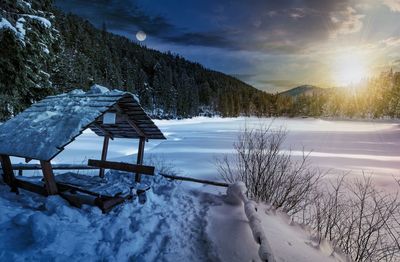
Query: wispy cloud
{"x":394,"y":5}
{"x":346,"y":21}
{"x":391,"y":42}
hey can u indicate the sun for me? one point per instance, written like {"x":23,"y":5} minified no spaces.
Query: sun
{"x":349,"y":69}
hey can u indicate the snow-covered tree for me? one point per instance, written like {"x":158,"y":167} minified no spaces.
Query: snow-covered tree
{"x":29,"y":44}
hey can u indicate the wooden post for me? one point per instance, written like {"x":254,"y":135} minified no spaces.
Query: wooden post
{"x":8,"y":173}
{"x":140,"y":154}
{"x":49,"y":179}
{"x":104,"y":153}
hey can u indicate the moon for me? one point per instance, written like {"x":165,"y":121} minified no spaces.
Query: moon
{"x":141,"y":36}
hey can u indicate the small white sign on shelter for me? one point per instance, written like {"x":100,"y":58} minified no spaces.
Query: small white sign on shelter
{"x":109,"y":118}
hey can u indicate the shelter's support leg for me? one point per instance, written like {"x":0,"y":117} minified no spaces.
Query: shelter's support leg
{"x":140,"y":157}
{"x":49,"y":179}
{"x":8,"y":173}
{"x":104,"y":153}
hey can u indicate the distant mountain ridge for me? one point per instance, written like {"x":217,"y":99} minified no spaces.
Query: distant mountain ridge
{"x":302,"y":90}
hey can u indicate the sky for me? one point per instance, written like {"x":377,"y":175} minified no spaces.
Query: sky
{"x":272,"y":45}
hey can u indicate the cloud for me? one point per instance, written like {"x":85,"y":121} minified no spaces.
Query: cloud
{"x":215,"y":39}
{"x":391,"y":42}
{"x":345,"y":22}
{"x":394,"y":5}
{"x":117,"y":15}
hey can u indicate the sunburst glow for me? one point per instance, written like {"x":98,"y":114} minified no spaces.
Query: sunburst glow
{"x":349,"y":68}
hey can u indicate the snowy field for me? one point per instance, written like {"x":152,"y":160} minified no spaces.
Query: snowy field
{"x":193,"y":144}
{"x":185,"y":222}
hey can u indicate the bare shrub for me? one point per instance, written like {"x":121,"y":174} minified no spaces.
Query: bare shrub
{"x":161,"y":165}
{"x":357,"y":218}
{"x":270,"y":174}
{"x":353,"y":214}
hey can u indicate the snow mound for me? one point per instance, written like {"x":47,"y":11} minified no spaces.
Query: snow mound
{"x":98,"y":89}
{"x":235,"y":231}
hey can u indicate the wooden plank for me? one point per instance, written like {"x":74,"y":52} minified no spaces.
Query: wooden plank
{"x":65,"y":187}
{"x":125,"y":124}
{"x":120,"y":131}
{"x":107,"y":203}
{"x":8,"y":173}
{"x":77,"y":199}
{"x":139,"y":159}
{"x":147,"y":170}
{"x":32,"y":187}
{"x":48,"y":175}
{"x":55,"y":167}
{"x":104,"y":154}
{"x":190,"y":179}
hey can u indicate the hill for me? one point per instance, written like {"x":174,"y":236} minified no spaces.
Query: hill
{"x":302,"y":90}
{"x":49,"y":52}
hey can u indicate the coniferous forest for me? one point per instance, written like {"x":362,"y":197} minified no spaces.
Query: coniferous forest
{"x":45,"y":51}
{"x":71,"y":53}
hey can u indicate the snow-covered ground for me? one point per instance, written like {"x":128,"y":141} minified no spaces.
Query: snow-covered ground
{"x":181,"y":221}
{"x":176,"y":223}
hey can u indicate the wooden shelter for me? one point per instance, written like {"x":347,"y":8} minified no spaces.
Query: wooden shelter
{"x":42,"y":131}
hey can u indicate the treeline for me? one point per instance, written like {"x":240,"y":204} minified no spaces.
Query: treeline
{"x":79,"y":55}
{"x":378,"y":97}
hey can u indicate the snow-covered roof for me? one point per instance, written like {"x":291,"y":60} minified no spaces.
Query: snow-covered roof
{"x":43,"y":130}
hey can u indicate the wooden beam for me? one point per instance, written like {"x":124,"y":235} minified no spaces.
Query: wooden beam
{"x":104,"y":154}
{"x":147,"y":170}
{"x":68,"y":187}
{"x":55,"y":167}
{"x":77,"y":199}
{"x":8,"y":173}
{"x":140,"y":155}
{"x":49,"y":179}
{"x":31,"y":187}
{"x":130,"y":122}
{"x":107,"y":203}
{"x":105,"y":132}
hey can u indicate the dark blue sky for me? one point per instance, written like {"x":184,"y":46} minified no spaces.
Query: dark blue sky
{"x":272,"y":45}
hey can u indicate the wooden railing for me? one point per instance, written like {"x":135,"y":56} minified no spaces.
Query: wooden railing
{"x":21,"y":167}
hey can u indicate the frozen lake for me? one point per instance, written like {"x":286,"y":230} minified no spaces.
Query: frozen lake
{"x":193,"y":144}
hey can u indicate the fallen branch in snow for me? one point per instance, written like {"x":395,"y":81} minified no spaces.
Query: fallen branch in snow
{"x":191,"y":179}
{"x":236,"y":194}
